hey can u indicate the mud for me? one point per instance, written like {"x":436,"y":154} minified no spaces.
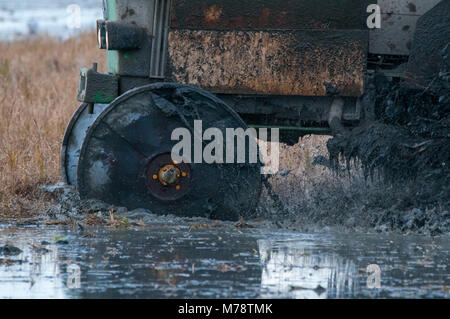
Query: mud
{"x":270,"y":62}
{"x":9,"y":250}
{"x":69,"y":209}
{"x":313,"y":197}
{"x":431,"y":36}
{"x":391,"y":174}
{"x":406,"y":148}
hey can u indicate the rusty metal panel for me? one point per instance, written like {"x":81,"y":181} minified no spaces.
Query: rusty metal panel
{"x":295,"y":62}
{"x":268,"y":14}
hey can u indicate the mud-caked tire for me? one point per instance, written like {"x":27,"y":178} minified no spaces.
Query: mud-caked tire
{"x":125,"y":158}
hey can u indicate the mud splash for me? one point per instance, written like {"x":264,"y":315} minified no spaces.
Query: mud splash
{"x":318,"y":198}
{"x":68,"y":209}
{"x":391,"y":174}
{"x":407,"y":148}
{"x":315,"y":199}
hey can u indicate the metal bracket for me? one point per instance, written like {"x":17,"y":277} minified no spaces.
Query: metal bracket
{"x":97,"y":87}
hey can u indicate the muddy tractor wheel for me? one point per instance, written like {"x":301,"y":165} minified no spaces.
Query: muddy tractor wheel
{"x":126,"y":157}
{"x":73,"y":140}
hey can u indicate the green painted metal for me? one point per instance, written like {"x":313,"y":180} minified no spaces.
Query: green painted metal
{"x":113,"y":56}
{"x":122,"y":17}
{"x":95,"y":87}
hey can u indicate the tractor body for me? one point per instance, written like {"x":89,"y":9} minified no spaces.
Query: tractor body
{"x":276,"y":63}
{"x":303,"y":66}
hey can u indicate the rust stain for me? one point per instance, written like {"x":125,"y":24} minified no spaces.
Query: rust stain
{"x":238,"y":21}
{"x":269,"y":14}
{"x":212,"y":14}
{"x":269,"y":62}
{"x":282,"y":18}
{"x":263,"y":19}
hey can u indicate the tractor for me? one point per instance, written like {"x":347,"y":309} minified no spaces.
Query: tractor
{"x":301,"y":66}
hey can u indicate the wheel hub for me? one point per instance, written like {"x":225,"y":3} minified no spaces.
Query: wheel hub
{"x":169,"y":175}
{"x":168,"y":180}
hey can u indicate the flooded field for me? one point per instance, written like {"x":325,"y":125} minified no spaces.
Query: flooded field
{"x":173,"y":261}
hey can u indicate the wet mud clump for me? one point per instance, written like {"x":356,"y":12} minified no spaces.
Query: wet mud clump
{"x":407,"y":145}
{"x":389,"y":174}
{"x":68,"y":209}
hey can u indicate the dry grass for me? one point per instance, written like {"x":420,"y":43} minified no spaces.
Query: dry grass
{"x":38,"y":83}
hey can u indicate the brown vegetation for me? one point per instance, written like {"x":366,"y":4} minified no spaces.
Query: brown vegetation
{"x":38,"y":82}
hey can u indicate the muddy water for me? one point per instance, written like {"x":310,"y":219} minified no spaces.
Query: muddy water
{"x":168,"y":261}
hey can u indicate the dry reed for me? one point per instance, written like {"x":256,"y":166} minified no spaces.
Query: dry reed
{"x":38,"y":82}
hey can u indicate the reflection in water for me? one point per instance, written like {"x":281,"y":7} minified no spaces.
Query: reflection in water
{"x":169,"y":261}
{"x":292,"y":270}
{"x":36,"y":274}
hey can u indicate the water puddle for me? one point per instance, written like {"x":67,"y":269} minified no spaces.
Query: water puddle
{"x":168,"y":261}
